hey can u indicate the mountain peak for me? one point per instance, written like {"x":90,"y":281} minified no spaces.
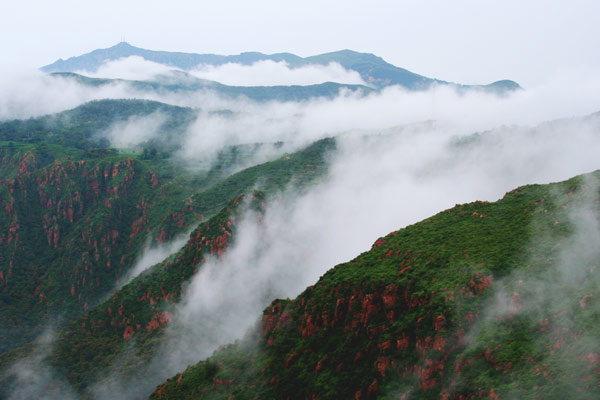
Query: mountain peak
{"x":374,"y":70}
{"x":122,"y":45}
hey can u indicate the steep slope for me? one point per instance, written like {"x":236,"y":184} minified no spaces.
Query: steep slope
{"x":76,"y":214}
{"x":145,"y":298}
{"x":139,"y":312}
{"x":135,"y":316}
{"x":73,"y":227}
{"x":84,"y":126}
{"x":485,"y":300}
{"x":373,"y":70}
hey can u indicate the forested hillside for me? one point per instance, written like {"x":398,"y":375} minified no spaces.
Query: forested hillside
{"x":77,"y":213}
{"x":484,"y":300}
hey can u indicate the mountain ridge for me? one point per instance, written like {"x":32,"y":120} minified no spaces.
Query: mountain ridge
{"x":417,"y":315}
{"x":180,"y":81}
{"x":373,"y":69}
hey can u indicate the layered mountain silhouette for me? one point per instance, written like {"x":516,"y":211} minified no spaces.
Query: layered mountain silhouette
{"x":460,"y":305}
{"x":182,"y":82}
{"x":373,"y":70}
{"x":482,"y":300}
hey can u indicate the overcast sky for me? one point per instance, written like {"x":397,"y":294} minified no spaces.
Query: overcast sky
{"x":465,"y":41}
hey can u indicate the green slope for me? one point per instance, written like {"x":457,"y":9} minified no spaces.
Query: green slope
{"x":73,"y":227}
{"x":479,"y":301}
{"x":86,"y":347}
{"x":75,"y":215}
{"x":82,"y":127}
{"x":142,"y":302}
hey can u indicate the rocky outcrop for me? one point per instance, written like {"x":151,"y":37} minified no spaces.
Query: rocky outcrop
{"x":440,"y":309}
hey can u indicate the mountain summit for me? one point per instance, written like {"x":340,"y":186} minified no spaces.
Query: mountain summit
{"x":372,"y":69}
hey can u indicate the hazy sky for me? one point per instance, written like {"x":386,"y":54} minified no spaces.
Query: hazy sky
{"x":465,"y":41}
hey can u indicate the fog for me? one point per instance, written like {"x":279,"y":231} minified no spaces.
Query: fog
{"x":135,"y":130}
{"x":30,"y":378}
{"x":377,"y":184}
{"x":151,"y":254}
{"x":559,"y":282}
{"x":402,"y":156}
{"x":271,"y":73}
{"x":379,"y":181}
{"x":30,"y":93}
{"x":259,"y":73}
{"x":131,"y":68}
{"x":297,"y":124}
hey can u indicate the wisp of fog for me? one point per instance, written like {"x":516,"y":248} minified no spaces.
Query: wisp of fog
{"x":402,"y":156}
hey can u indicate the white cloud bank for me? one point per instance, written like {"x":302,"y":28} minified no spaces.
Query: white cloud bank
{"x":380,"y":181}
{"x":134,"y":68}
{"x":271,"y":73}
{"x":391,"y":170}
{"x":259,"y":73}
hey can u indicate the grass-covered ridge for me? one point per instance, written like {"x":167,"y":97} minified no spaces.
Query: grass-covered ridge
{"x":79,"y":127}
{"x":76,"y":214}
{"x":77,"y":219}
{"x":479,"y":301}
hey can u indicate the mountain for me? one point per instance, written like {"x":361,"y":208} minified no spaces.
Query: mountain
{"x":84,"y":126}
{"x":453,"y":306}
{"x":484,"y":300}
{"x":77,"y":216}
{"x":373,"y":70}
{"x":156,"y":293}
{"x":179,"y":81}
{"x":78,"y":213}
{"x":74,"y":227}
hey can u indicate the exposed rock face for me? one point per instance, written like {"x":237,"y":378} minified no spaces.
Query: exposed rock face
{"x":139,"y":312}
{"x":71,"y":229}
{"x":416,"y":318}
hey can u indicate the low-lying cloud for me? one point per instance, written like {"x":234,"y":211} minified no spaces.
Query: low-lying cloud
{"x":259,"y":73}
{"x":30,"y":93}
{"x":152,"y":254}
{"x":402,"y":156}
{"x":271,"y":73}
{"x":133,"y":68}
{"x":550,"y":294}
{"x":31,"y":378}
{"x":135,"y":130}
{"x":377,"y":183}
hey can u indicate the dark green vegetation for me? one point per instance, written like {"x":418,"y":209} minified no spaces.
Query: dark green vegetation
{"x":484,"y":300}
{"x":83,"y":127}
{"x":373,"y":70}
{"x":137,"y":313}
{"x":71,"y":227}
{"x":75,"y":214}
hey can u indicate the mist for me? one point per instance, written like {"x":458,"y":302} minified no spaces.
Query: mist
{"x":259,"y":73}
{"x":130,"y":68}
{"x":271,"y":73}
{"x":135,"y":130}
{"x":298,"y":124}
{"x":557,"y":286}
{"x":30,"y":378}
{"x":30,"y":93}
{"x":152,"y":254}
{"x":379,"y":181}
{"x":402,"y":156}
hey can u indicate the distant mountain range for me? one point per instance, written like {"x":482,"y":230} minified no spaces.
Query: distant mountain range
{"x":373,"y":70}
{"x":180,"y":81}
